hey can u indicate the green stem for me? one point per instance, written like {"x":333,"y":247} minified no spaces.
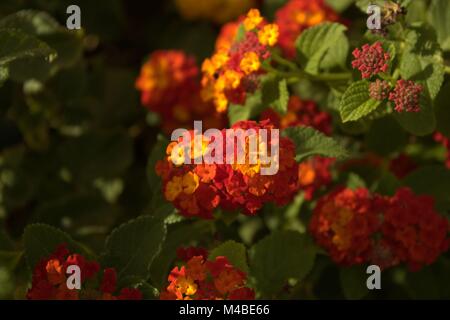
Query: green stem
{"x":298,"y":75}
{"x":285,"y":74}
{"x":284,"y":62}
{"x":396,"y":75}
{"x":331,"y":76}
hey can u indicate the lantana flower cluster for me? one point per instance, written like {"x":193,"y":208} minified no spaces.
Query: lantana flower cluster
{"x":314,"y":173}
{"x":298,"y":15}
{"x":372,"y":60}
{"x":201,"y":279}
{"x":49,"y":280}
{"x":357,"y":227}
{"x":170,"y":86}
{"x":233,"y":72}
{"x":197,"y":189}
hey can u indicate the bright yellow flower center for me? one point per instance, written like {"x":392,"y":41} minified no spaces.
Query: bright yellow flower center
{"x":250,"y":62}
{"x":252,"y":20}
{"x":268,"y":35}
{"x":232,"y":79}
{"x":190,"y":183}
{"x":186,"y":286}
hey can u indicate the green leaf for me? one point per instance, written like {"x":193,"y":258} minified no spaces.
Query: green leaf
{"x":179,"y":234}
{"x":353,"y":282}
{"x":422,"y":60}
{"x":354,"y":181}
{"x":18,"y":45}
{"x":443,"y":110}
{"x":418,"y":123}
{"x":67,"y":44}
{"x":252,"y":107}
{"x":439,"y":18}
{"x":279,"y":257}
{"x":158,"y":153}
{"x":424,"y":284}
{"x":282,"y":104}
{"x":97,"y":155}
{"x":386,"y":136}
{"x":82,"y":209}
{"x":275,"y":93}
{"x":31,"y":22}
{"x":309,"y":142}
{"x":387,"y":185}
{"x":339,"y":5}
{"x":132,"y":247}
{"x":364,"y":4}
{"x":337,"y":56}
{"x":234,"y":252}
{"x":315,"y":42}
{"x":356,"y":102}
{"x":160,"y":206}
{"x":41,"y":240}
{"x":4,"y":74}
{"x":432,"y":180}
{"x":240,"y":34}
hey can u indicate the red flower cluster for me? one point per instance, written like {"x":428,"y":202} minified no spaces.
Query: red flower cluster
{"x":298,"y":15}
{"x":379,"y":90}
{"x":412,"y":230}
{"x":49,"y":280}
{"x":234,"y":70}
{"x":406,"y":96}
{"x":170,"y":86}
{"x":203,"y":279}
{"x":370,"y":60}
{"x":356,"y":227}
{"x":439,"y":137}
{"x":343,"y":222}
{"x":197,"y":189}
{"x":314,"y":173}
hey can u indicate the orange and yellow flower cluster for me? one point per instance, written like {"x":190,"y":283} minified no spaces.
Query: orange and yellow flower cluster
{"x":357,"y":227}
{"x":197,"y":189}
{"x":170,"y":86}
{"x":203,"y":279}
{"x":298,"y":15}
{"x":49,"y":280}
{"x":234,"y":70}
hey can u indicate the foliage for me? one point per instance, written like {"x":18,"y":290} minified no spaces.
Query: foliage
{"x":85,"y":123}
